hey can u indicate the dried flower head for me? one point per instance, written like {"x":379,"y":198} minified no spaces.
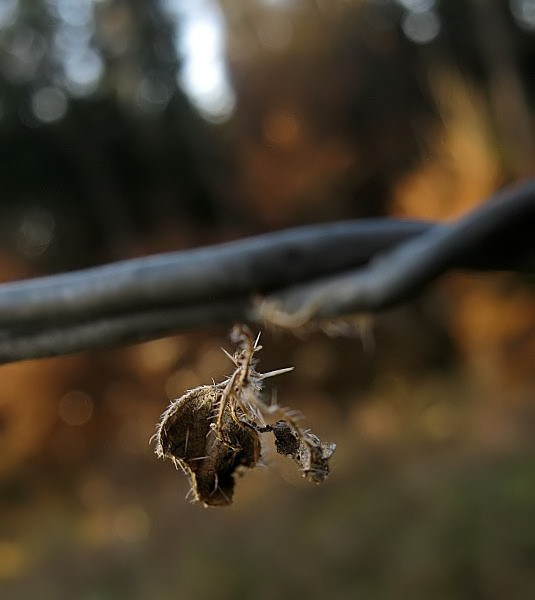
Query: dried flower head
{"x":212,"y":431}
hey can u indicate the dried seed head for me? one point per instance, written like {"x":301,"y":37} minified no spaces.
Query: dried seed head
{"x":211,"y":431}
{"x":181,"y":433}
{"x":213,"y":481}
{"x":186,"y":435}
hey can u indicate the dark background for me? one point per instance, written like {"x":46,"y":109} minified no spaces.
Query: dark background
{"x":333,"y":110}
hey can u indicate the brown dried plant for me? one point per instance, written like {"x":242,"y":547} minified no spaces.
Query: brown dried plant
{"x":212,"y":431}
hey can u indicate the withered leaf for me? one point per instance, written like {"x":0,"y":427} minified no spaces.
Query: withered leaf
{"x":314,"y":457}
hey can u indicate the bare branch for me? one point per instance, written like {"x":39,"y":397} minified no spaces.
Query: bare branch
{"x":498,"y":235}
{"x":254,"y":265}
{"x":306,"y":273}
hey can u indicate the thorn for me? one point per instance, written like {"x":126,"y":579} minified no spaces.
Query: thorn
{"x":186,"y":442}
{"x":262,"y":376}
{"x":230,"y":356}
{"x":257,"y":340}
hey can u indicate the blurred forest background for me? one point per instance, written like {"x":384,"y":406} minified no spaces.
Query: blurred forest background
{"x":130,"y":127}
